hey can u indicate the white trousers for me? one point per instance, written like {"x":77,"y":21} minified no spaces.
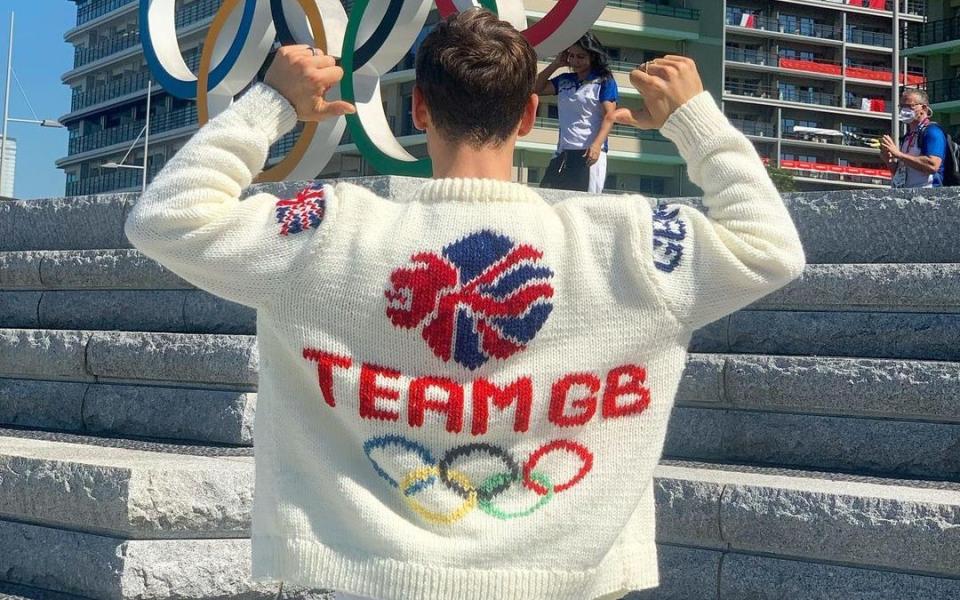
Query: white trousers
{"x":598,"y":174}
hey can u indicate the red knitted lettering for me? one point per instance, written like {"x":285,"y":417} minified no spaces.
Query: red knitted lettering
{"x":558,"y":399}
{"x":520,"y":390}
{"x":452,"y":406}
{"x":325,"y":364}
{"x":633,"y":386}
{"x":370,"y":392}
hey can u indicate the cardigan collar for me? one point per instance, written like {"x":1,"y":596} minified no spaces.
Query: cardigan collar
{"x":456,"y":189}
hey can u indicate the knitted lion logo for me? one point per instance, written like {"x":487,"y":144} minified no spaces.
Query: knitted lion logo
{"x":482,"y":297}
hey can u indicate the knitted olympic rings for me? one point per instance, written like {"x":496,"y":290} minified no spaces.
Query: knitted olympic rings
{"x":374,"y":39}
{"x":429,"y":472}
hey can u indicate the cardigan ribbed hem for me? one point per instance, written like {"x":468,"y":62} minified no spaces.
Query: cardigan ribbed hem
{"x":699,"y":119}
{"x":459,"y":189}
{"x":266,"y":109}
{"x":314,"y":565}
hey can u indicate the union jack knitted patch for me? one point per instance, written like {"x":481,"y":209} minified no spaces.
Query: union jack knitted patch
{"x":303,"y":212}
{"x":482,"y":297}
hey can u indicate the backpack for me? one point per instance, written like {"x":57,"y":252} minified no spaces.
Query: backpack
{"x":951,"y":162}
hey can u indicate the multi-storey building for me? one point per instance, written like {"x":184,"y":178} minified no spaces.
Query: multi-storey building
{"x":787,"y":64}
{"x":810,"y":82}
{"x":938,"y":43}
{"x":8,"y":170}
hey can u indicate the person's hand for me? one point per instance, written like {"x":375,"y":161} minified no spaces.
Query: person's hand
{"x":592,"y":154}
{"x":666,"y":84}
{"x":889,"y":149}
{"x":560,"y":60}
{"x":303,"y":75}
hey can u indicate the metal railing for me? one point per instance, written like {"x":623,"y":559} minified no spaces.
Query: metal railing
{"x":127,"y":132}
{"x":98,"y":8}
{"x":754,"y":128}
{"x":109,"y":181}
{"x":760,"y":22}
{"x":652,"y":8}
{"x":943,"y":90}
{"x":869,"y":38}
{"x":186,"y":16}
{"x":936,"y":32}
{"x":618,"y":130}
{"x":82,"y":56}
{"x":114,"y":89}
{"x":758,"y":90}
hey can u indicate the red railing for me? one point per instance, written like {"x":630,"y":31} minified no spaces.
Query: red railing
{"x":833,"y":68}
{"x":799,"y":165}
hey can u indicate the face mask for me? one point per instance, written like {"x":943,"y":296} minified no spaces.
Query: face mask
{"x":908,"y":115}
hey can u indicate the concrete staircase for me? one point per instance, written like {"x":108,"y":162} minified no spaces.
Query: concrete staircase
{"x":814,"y":452}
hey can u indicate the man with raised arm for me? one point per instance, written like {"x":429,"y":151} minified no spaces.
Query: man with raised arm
{"x":463,"y":395}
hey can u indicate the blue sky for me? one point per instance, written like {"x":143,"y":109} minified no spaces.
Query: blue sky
{"x":40,"y":57}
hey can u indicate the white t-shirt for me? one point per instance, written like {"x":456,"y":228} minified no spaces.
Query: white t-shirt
{"x":580,"y":110}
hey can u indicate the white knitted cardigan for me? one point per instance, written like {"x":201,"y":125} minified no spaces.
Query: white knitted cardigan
{"x":463,"y":395}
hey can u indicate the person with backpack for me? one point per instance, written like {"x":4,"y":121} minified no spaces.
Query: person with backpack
{"x":920,"y":160}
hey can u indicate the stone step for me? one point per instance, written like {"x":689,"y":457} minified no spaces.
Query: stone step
{"x":882,"y":392}
{"x":123,"y":492}
{"x":140,"y":411}
{"x":693,"y":574}
{"x":922,"y":336}
{"x":107,"y":568}
{"x":9,"y":591}
{"x":910,"y":389}
{"x":817,"y":522}
{"x":869,"y":334}
{"x":909,"y":526}
{"x":851,"y":445}
{"x":198,"y":387}
{"x":837,"y":287}
{"x":877,"y":226}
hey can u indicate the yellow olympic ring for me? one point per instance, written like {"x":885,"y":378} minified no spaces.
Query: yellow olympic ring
{"x":281,"y":170}
{"x":422,"y":474}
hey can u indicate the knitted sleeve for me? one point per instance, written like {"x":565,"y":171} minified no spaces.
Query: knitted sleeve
{"x":191,"y":219}
{"x":743,"y":246}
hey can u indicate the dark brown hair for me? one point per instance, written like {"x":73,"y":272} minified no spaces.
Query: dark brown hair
{"x":476,"y":74}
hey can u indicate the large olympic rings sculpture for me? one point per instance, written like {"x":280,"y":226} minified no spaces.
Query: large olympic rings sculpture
{"x":481,"y":494}
{"x":374,"y":39}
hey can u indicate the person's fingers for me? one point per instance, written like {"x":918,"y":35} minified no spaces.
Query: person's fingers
{"x":327,"y":76}
{"x":664,"y":70}
{"x":340,"y":107}
{"x":645,"y":82}
{"x":323,"y":61}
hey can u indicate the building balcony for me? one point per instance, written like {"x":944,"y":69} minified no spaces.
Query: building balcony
{"x":193,"y":13}
{"x":937,"y":37}
{"x":767,"y":25}
{"x":944,"y":95}
{"x":755,"y":128}
{"x":636,"y":17}
{"x":826,"y":69}
{"x":652,"y":8}
{"x":113,"y":180}
{"x":864,"y":37}
{"x":839,"y":174}
{"x":109,"y":91}
{"x":129,"y":131}
{"x":98,"y":8}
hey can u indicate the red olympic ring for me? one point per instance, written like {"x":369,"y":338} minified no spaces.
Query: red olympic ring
{"x":581,"y":451}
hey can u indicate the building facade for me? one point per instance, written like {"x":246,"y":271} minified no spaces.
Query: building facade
{"x":8,"y":170}
{"x":937,"y":42}
{"x":776,"y":65}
